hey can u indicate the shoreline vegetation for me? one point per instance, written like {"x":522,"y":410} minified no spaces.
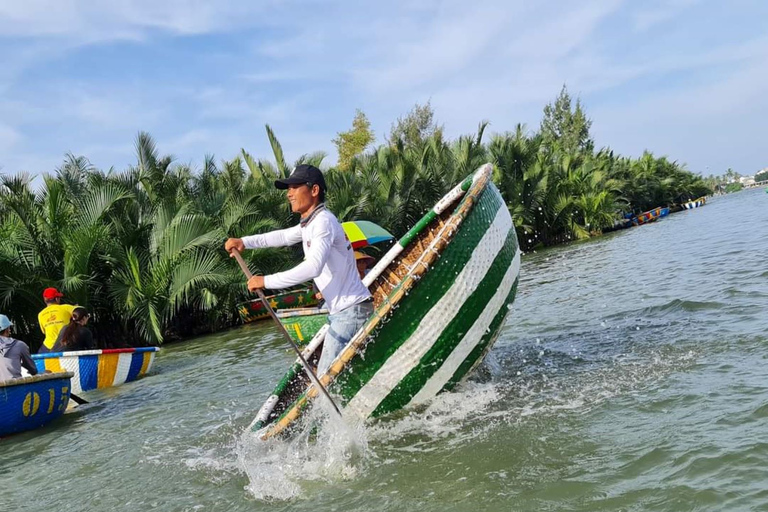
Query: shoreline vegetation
{"x":142,"y":249}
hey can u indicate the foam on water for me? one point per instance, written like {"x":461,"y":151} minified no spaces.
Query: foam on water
{"x":518,"y":384}
{"x":325,"y":448}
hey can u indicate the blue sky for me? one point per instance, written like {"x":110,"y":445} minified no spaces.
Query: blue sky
{"x":682,"y":78}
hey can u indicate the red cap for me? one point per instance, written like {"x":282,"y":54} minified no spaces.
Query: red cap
{"x":51,"y":293}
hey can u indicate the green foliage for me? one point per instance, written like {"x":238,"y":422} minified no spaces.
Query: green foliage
{"x":566,"y":127}
{"x":143,"y":248}
{"x":416,"y":127}
{"x":733,"y":187}
{"x":761,"y":176}
{"x":351,"y":143}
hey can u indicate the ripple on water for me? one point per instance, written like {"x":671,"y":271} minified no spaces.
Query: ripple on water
{"x":630,"y":375}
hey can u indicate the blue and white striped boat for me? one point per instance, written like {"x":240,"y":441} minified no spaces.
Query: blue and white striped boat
{"x":97,"y":369}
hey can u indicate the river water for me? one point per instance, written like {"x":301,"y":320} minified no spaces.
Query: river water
{"x":631,"y":375}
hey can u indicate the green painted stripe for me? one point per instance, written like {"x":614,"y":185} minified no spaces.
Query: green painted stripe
{"x":415,"y":230}
{"x":478,"y":354}
{"x":430,"y":216}
{"x":454,"y":332}
{"x":422,"y":298}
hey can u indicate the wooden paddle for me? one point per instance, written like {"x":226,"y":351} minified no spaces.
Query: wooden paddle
{"x":78,"y":400}
{"x":287,"y":336}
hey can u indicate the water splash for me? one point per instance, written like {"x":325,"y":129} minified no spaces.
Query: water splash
{"x":324,"y":449}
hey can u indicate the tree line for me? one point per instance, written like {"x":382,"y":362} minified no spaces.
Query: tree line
{"x":142,"y":248}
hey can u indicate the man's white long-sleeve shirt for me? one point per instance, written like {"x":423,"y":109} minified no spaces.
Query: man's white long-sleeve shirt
{"x":328,"y":259}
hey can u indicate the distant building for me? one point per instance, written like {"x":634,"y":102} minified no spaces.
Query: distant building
{"x":747,"y":181}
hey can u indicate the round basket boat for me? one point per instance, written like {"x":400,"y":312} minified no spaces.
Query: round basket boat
{"x":441,"y":295}
{"x":31,"y":402}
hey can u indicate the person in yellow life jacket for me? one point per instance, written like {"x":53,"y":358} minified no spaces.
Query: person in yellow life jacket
{"x":53,"y":318}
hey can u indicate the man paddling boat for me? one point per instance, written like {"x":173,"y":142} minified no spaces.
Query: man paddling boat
{"x":328,"y":260}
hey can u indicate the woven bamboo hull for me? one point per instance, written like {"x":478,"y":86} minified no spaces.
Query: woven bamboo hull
{"x":439,"y":309}
{"x":97,"y":369}
{"x":254,"y":309}
{"x":32,"y":402}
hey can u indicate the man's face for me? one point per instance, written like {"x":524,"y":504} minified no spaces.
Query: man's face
{"x":302,"y":197}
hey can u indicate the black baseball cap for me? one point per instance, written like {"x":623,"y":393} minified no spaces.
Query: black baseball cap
{"x":303,"y":174}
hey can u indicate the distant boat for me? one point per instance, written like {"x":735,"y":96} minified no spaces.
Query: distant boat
{"x":97,"y":369}
{"x":31,"y":402}
{"x":302,"y":324}
{"x":695,"y":203}
{"x":254,"y":309}
{"x":649,"y":216}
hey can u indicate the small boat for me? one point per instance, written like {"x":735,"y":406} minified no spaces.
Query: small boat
{"x":302,"y":324}
{"x":254,"y":309}
{"x":441,"y":295}
{"x":663,"y":212}
{"x":647,"y":217}
{"x":31,"y":402}
{"x":689,"y":205}
{"x":97,"y":369}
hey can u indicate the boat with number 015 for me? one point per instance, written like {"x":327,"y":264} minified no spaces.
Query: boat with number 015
{"x":441,"y":296}
{"x":31,"y":402}
{"x":97,"y":369}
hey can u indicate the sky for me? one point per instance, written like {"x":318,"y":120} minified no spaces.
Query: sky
{"x":681,"y":78}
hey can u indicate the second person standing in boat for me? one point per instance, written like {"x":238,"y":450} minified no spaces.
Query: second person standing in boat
{"x":53,"y":318}
{"x":328,"y":260}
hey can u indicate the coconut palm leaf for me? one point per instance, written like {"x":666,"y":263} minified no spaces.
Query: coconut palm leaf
{"x":277,"y":150}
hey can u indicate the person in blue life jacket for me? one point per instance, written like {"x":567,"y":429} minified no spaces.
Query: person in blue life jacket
{"x":14,"y":354}
{"x":328,"y":260}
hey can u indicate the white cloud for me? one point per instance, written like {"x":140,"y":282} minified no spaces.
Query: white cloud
{"x":128,"y":19}
{"x":711,"y":126}
{"x":9,"y":137}
{"x":303,"y":67}
{"x":655,"y":13}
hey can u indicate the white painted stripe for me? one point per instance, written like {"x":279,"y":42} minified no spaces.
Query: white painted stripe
{"x":407,"y":357}
{"x":72,"y":364}
{"x":123,"y":366}
{"x":312,"y":345}
{"x":472,"y":338}
{"x":383,"y":263}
